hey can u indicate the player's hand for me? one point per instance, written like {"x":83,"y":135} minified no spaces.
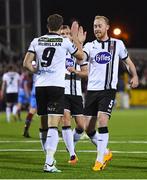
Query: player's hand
{"x":77,"y":32}
{"x":34,"y":66}
{"x":82,"y":35}
{"x":74,"y":29}
{"x":71,"y":69}
{"x":134,"y":82}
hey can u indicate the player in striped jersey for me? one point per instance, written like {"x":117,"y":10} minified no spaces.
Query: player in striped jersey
{"x":73,"y":100}
{"x":103,"y":55}
{"x":49,"y":51}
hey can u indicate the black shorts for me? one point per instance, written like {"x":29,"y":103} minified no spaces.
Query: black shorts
{"x":102,"y":101}
{"x":50,"y":100}
{"x":11,"y":97}
{"x":74,"y":104}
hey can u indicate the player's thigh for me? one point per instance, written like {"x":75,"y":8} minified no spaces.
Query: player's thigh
{"x":56,"y":100}
{"x":106,"y":102}
{"x":76,"y":105}
{"x":11,"y":98}
{"x":41,"y":100}
{"x":54,"y":120}
{"x":91,"y":104}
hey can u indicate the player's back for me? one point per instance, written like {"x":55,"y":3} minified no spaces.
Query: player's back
{"x":12,"y":80}
{"x":50,"y":53}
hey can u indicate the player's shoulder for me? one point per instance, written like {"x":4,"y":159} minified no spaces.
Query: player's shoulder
{"x":5,"y":74}
{"x":17,"y":74}
{"x":39,"y":38}
{"x":116,"y":40}
{"x":66,"y":40}
{"x":89,"y":44}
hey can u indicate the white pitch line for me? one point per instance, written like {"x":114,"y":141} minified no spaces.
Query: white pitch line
{"x":81,"y":141}
{"x":33,"y":141}
{"x":80,"y":151}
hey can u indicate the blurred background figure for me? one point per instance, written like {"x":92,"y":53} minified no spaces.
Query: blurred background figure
{"x":143,"y":80}
{"x":32,"y":110}
{"x":24,"y":92}
{"x":123,"y":88}
{"x":9,"y":91}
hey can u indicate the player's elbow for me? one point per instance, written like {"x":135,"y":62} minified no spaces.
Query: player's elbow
{"x":80,"y":56}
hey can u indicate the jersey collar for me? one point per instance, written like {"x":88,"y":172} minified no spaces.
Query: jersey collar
{"x":51,"y":33}
{"x":103,"y":41}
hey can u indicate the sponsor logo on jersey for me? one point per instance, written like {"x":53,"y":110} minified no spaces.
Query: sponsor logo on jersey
{"x":103,"y":57}
{"x":47,"y":39}
{"x":69,"y":62}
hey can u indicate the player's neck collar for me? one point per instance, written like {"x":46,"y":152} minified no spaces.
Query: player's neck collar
{"x":52,"y":33}
{"x":100,"y":41}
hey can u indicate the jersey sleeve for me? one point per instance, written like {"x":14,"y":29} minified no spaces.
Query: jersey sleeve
{"x":71,"y":48}
{"x":4,"y":77}
{"x":86,"y":49}
{"x":123,"y":53}
{"x":32,"y":46}
{"x":84,"y":63}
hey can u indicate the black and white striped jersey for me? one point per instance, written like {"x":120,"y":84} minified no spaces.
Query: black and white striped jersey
{"x":50,"y":52}
{"x":73,"y":81}
{"x":103,"y":57}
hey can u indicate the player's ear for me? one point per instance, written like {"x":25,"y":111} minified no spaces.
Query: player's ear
{"x":108,"y":26}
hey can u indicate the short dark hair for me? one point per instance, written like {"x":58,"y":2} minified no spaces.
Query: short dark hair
{"x":54,"y":22}
{"x":65,"y":27}
{"x":10,"y":67}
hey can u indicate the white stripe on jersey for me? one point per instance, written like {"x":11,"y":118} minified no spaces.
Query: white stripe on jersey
{"x":50,"y":53}
{"x":12,"y":81}
{"x":72,"y":81}
{"x":103,"y":60}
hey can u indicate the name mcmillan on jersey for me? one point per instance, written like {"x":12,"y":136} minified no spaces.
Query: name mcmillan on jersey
{"x":49,"y":43}
{"x":44,"y":41}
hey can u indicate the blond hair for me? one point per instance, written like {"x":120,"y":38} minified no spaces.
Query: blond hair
{"x":102,"y":17}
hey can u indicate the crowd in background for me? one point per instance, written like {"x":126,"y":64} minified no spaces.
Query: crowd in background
{"x":5,"y":61}
{"x":141,"y":66}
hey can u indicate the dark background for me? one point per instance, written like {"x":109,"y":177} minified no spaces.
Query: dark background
{"x":129,"y":15}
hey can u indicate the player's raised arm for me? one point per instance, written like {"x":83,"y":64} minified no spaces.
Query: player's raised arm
{"x":77,"y":35}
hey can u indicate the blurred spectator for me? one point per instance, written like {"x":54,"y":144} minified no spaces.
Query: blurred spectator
{"x":25,"y":83}
{"x":9,"y":90}
{"x":122,"y":95}
{"x":143,"y":80}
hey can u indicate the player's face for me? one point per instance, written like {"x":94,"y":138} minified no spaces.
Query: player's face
{"x":66,"y":33}
{"x":100,"y":28}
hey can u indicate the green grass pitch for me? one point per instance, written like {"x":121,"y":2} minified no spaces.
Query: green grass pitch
{"x":22,"y":158}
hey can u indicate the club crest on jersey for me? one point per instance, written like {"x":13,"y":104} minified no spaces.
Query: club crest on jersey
{"x":69,"y":62}
{"x":103,"y":57}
